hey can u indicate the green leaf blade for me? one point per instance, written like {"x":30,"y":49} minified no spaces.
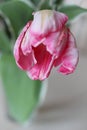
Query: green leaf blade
{"x":4,"y":42}
{"x":72,"y":11}
{"x":22,"y":93}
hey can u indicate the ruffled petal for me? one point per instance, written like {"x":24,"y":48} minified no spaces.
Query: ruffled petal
{"x":19,"y":41}
{"x":47,"y":21}
{"x":69,"y":58}
{"x":23,"y":61}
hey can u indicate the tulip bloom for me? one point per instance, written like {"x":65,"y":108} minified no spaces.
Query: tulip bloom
{"x":46,"y":42}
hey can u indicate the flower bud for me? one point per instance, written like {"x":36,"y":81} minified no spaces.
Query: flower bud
{"x":46,"y":42}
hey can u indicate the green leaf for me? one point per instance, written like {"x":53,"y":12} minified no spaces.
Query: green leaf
{"x":58,"y":2}
{"x":55,"y":3}
{"x":72,"y":11}
{"x":18,"y":13}
{"x":45,"y":5}
{"x":40,"y":4}
{"x":5,"y":44}
{"x":36,"y":2}
{"x":22,"y":93}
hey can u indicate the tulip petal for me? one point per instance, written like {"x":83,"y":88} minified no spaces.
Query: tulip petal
{"x":51,"y":42}
{"x":44,"y":63}
{"x":23,"y":61}
{"x":55,"y":42}
{"x":47,"y":21}
{"x":69,"y":59}
{"x":29,"y":40}
{"x":19,"y":41}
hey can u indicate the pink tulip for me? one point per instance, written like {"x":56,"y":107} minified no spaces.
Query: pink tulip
{"x":46,"y":42}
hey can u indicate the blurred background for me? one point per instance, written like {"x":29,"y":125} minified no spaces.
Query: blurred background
{"x":65,"y":103}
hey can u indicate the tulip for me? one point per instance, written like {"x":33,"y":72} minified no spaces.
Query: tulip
{"x":44,"y":43}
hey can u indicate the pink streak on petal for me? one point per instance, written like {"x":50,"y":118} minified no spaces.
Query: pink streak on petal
{"x":35,"y":41}
{"x":25,"y":45}
{"x":19,"y":41}
{"x":60,"y":20}
{"x":51,"y":42}
{"x":56,"y":42}
{"x":44,"y":64}
{"x":30,"y":40}
{"x":69,"y":59}
{"x":23,"y":61}
{"x":51,"y":23}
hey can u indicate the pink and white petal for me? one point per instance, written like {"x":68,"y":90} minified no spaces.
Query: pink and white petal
{"x":25,"y":45}
{"x":47,"y":21}
{"x":25,"y":62}
{"x":29,"y":40}
{"x":44,"y":64}
{"x":56,"y":42}
{"x":36,"y":41}
{"x":60,"y":20}
{"x":69,"y":59}
{"x":69,"y":63}
{"x":51,"y":42}
{"x":19,"y":41}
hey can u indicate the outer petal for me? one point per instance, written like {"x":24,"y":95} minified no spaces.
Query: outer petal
{"x":69,"y":58}
{"x":44,"y":63}
{"x":19,"y":41}
{"x":23,"y":61}
{"x":47,"y":21}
